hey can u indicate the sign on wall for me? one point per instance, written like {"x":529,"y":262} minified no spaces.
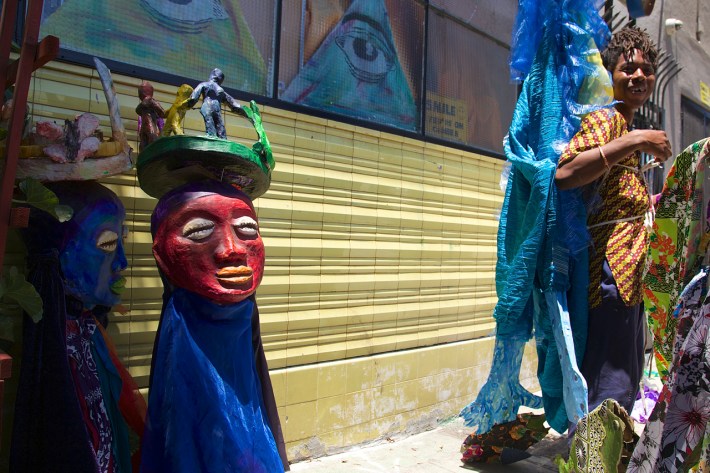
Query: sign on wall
{"x":704,"y":93}
{"x":446,"y":118}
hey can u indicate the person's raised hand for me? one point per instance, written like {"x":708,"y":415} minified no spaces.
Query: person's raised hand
{"x":655,"y":143}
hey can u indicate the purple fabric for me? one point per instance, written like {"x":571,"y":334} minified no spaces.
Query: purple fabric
{"x":644,"y":404}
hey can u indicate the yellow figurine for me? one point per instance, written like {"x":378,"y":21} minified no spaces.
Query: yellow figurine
{"x":176,"y":113}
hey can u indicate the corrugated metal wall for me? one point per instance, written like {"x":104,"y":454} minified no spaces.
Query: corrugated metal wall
{"x":375,"y":242}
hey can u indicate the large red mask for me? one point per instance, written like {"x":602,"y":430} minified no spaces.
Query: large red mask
{"x":210,"y":245}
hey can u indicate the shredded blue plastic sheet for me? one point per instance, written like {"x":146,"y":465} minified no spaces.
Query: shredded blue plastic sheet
{"x":535,"y":15}
{"x":542,"y":268}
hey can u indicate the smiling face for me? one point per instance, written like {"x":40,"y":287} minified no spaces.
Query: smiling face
{"x":93,"y":257}
{"x":210,"y":245}
{"x":634,"y":81}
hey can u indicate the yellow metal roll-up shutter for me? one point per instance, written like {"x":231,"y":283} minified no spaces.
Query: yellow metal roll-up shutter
{"x":375,"y":242}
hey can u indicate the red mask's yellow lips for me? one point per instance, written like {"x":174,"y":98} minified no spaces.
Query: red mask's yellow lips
{"x":235,"y":275}
{"x":234,"y":271}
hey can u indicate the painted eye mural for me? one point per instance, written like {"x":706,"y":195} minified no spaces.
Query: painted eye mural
{"x":356,"y":71}
{"x":368,"y":51}
{"x":185,"y":16}
{"x":184,"y":38}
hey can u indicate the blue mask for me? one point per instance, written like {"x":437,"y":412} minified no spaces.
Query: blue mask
{"x":93,"y":255}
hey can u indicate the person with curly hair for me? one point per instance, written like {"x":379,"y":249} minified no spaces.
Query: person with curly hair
{"x":604,"y":160}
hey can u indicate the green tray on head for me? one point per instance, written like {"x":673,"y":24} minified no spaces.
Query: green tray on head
{"x":172,"y":161}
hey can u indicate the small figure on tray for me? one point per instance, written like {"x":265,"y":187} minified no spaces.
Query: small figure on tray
{"x":176,"y":113}
{"x":150,"y":116}
{"x":213,"y":95}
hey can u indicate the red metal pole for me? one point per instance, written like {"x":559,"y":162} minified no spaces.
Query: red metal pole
{"x":7,"y":30}
{"x":5,"y":373}
{"x":25,"y":67}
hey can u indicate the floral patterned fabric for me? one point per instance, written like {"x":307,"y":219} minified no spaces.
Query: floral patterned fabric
{"x":676,"y":436}
{"x":678,"y":243}
{"x":600,"y":441}
{"x":526,"y":430}
{"x":83,"y":368}
{"x":617,"y":204}
{"x":704,"y":464}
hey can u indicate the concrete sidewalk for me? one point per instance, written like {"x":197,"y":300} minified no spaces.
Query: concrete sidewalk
{"x":435,"y":451}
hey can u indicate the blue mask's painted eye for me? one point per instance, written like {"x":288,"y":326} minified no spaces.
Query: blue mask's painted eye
{"x":107,"y":241}
{"x":368,"y":53}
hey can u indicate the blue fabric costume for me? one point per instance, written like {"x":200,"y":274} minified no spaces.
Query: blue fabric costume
{"x":541,"y":273}
{"x":207,"y":411}
{"x":50,"y":431}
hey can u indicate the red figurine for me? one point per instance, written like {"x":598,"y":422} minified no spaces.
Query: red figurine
{"x":150,"y":116}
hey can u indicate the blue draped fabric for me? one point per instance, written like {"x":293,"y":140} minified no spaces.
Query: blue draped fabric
{"x":206,"y":410}
{"x":542,"y":266}
{"x":48,"y":432}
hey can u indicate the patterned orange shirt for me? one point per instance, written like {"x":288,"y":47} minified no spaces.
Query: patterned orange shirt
{"x":621,"y":195}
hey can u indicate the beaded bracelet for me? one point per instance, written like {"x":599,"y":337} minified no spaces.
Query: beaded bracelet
{"x":601,"y":153}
